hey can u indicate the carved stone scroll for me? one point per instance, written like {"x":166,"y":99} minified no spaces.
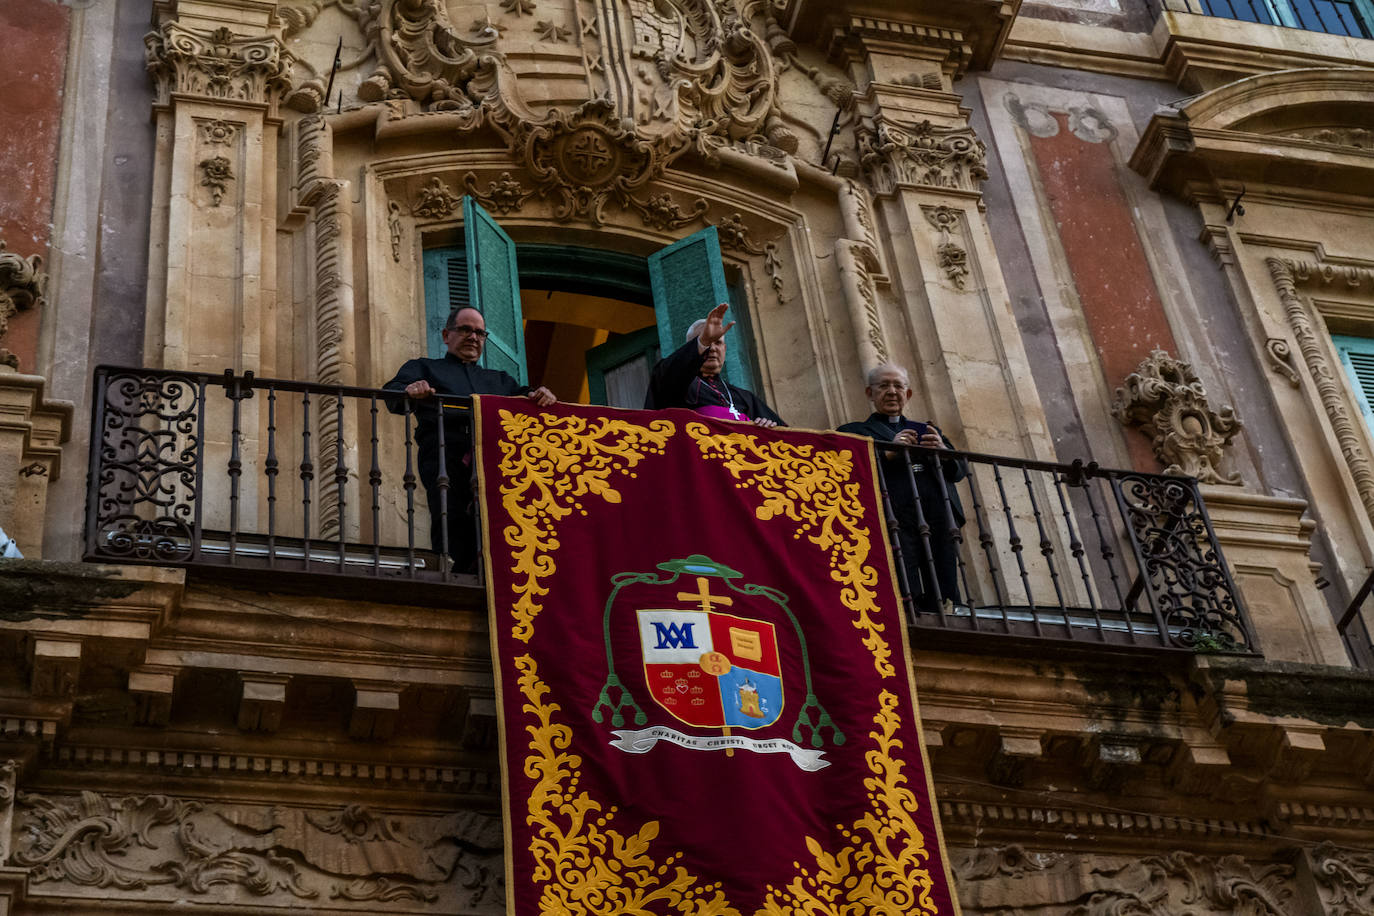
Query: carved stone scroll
{"x":9,"y":772}
{"x":862,"y":300}
{"x":159,"y":848}
{"x":1285,"y":275}
{"x":420,"y":55}
{"x":21,"y":287}
{"x":1165,"y":398}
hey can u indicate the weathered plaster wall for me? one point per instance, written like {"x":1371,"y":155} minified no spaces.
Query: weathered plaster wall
{"x":35,"y":32}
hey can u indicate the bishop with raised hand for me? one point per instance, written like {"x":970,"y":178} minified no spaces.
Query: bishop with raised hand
{"x":690,"y":377}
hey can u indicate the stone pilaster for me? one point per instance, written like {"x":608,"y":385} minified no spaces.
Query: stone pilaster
{"x":925,"y":166}
{"x":219,"y":74}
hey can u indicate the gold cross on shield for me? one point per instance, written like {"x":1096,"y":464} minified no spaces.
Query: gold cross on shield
{"x":704,"y":596}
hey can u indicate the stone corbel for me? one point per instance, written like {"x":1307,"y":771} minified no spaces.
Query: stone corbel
{"x":152,"y":687}
{"x":55,"y":666}
{"x":1165,"y":398}
{"x":263,"y":701}
{"x":375,"y":710}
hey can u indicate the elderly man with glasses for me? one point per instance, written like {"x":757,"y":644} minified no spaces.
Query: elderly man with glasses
{"x":455,"y":373}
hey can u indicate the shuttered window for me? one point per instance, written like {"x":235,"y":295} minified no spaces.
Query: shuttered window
{"x":688,"y":280}
{"x":1357,"y":355}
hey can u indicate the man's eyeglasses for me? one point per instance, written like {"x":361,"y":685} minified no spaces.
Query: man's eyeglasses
{"x":467,"y":330}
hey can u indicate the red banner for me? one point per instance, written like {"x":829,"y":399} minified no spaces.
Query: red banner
{"x":702,"y":674}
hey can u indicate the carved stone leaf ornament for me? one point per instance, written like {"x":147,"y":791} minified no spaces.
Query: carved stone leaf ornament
{"x":131,"y":846}
{"x":1345,"y":879}
{"x":21,"y":287}
{"x":1165,"y":398}
{"x":922,"y":154}
{"x":503,"y":195}
{"x":952,"y":257}
{"x":218,"y":65}
{"x":436,"y":201}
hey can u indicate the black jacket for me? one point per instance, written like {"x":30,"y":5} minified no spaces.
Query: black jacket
{"x":676,"y":382}
{"x":923,"y":471}
{"x":447,"y":375}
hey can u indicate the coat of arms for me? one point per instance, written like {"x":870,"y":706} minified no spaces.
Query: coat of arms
{"x":712,"y":660}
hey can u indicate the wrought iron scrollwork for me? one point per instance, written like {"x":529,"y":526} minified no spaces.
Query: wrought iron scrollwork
{"x":147,"y":485}
{"x":1182,"y":565}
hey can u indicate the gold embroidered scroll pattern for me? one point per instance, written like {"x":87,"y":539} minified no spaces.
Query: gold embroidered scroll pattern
{"x":886,"y":866}
{"x":812,"y":487}
{"x":548,"y":464}
{"x":586,"y":866}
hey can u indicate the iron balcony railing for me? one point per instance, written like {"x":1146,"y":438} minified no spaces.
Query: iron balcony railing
{"x":1355,"y":630}
{"x":238,"y":473}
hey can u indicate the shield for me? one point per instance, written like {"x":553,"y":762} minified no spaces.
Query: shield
{"x":712,"y":670}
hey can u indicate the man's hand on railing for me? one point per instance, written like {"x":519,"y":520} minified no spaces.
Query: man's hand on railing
{"x":419,"y":390}
{"x":541,"y":396}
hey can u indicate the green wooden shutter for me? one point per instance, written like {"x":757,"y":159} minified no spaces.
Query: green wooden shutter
{"x":488,"y":282}
{"x":1357,"y":355}
{"x":494,"y":285}
{"x":688,"y":280}
{"x":446,"y":288}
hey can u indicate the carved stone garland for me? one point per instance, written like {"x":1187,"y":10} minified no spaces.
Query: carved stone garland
{"x":951,"y":256}
{"x":1165,"y":398}
{"x":130,"y":846}
{"x":21,"y":287}
{"x":1286,"y":276}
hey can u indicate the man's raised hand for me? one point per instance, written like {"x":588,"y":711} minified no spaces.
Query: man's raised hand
{"x":715,"y":327}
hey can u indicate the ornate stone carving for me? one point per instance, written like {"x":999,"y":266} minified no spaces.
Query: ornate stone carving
{"x":1012,"y":879}
{"x":663,"y":213}
{"x":1281,"y":359}
{"x":1286,"y":275}
{"x":22,"y":282}
{"x":586,"y":158}
{"x":503,"y":195}
{"x":1345,"y":879}
{"x":1166,"y":399}
{"x":154,"y":847}
{"x":952,"y":258}
{"x":924,"y":155}
{"x":218,"y":132}
{"x":420,"y":55}
{"x":9,"y":774}
{"x":217,"y":65}
{"x":436,"y":201}
{"x":734,"y":234}
{"x":519,"y":7}
{"x":393,"y":227}
{"x":215,"y":173}
{"x":552,"y":31}
{"x":1356,"y":137}
{"x":862,"y":299}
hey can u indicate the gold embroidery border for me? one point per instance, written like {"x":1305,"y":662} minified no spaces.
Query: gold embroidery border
{"x":548,"y":739}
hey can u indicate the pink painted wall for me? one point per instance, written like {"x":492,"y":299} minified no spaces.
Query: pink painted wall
{"x":1098,"y":233}
{"x":34,"y":32}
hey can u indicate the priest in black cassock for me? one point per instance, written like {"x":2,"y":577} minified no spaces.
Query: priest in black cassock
{"x":455,"y":373}
{"x":889,"y":389}
{"x":690,"y":377}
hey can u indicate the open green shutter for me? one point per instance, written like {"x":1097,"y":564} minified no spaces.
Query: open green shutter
{"x":446,"y":288}
{"x":688,"y":280}
{"x":494,"y":286}
{"x":1357,"y":355}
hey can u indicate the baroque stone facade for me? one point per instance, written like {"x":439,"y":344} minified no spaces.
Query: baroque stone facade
{"x":1084,"y":227}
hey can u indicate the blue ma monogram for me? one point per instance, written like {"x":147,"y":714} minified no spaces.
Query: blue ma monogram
{"x":674,"y":636}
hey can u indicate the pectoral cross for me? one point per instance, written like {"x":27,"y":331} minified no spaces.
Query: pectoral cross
{"x":704,"y":596}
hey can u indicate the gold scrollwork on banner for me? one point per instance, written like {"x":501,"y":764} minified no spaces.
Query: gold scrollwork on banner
{"x":886,"y":867}
{"x":815,"y":489}
{"x":548,"y":464}
{"x":586,"y":866}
